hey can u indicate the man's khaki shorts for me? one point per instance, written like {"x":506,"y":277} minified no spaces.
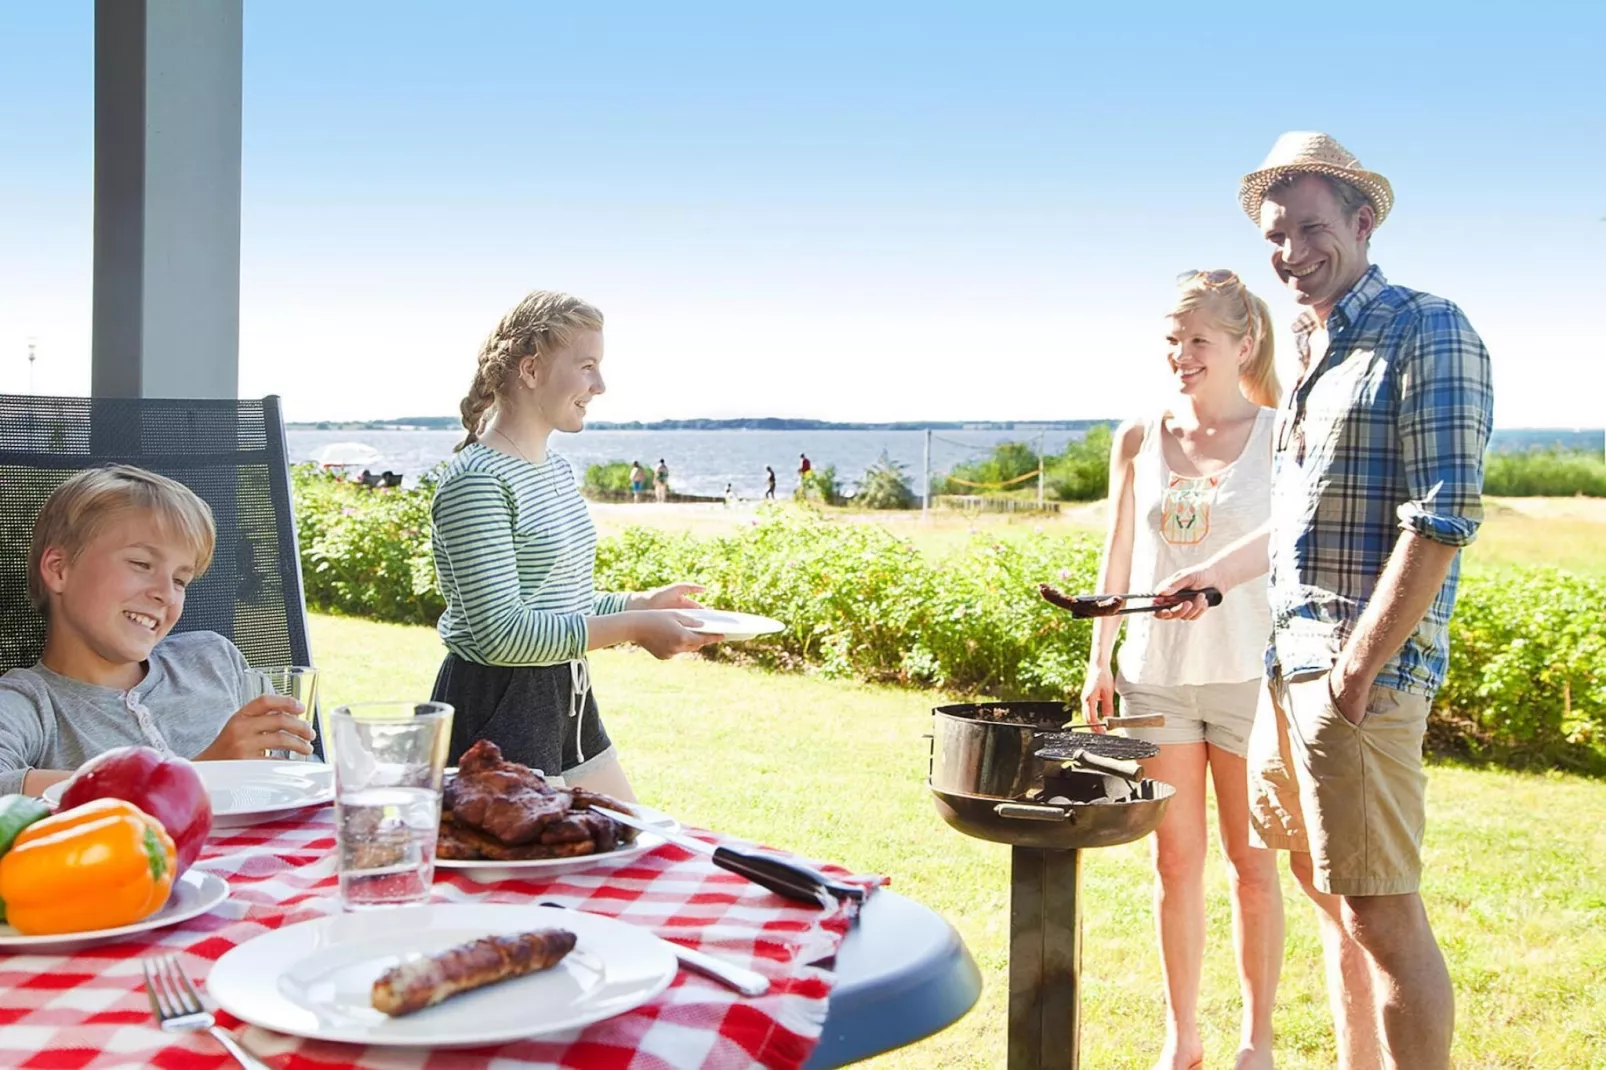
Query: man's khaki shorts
{"x":1353,"y":796}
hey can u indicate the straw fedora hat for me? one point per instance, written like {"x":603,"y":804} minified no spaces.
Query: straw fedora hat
{"x":1301,"y":152}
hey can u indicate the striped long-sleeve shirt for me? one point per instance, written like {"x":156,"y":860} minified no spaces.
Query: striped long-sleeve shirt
{"x":1385,"y":433}
{"x":515,"y":550}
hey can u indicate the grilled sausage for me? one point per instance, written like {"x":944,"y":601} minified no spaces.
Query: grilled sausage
{"x":423,"y":982}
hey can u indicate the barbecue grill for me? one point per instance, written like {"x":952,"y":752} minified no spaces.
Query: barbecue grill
{"x":1009,"y":772}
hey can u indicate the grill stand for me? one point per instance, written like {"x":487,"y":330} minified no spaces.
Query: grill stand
{"x":1045,"y":959}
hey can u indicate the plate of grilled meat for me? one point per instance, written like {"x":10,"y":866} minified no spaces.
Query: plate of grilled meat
{"x":441,"y":975}
{"x":501,"y":820}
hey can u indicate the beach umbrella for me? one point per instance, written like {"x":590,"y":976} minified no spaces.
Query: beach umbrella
{"x":348,"y":455}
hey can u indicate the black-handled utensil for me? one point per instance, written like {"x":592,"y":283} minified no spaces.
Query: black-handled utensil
{"x":1114,"y":605}
{"x":781,"y":876}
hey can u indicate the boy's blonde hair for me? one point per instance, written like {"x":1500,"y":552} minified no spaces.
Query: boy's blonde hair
{"x":85,"y":505}
{"x":544,"y":321}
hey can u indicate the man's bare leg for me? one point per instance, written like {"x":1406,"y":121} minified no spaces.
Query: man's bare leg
{"x":1349,"y":976}
{"x":1410,"y":983}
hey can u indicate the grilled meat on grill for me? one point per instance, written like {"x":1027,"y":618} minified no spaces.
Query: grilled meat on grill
{"x":423,"y":982}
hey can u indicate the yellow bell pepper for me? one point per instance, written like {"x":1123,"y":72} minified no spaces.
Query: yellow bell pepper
{"x":97,"y":866}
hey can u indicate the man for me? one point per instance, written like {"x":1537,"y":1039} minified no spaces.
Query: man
{"x":660,"y":486}
{"x":1377,"y":485}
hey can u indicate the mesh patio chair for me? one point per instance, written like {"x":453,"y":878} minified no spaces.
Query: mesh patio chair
{"x":231,"y":453}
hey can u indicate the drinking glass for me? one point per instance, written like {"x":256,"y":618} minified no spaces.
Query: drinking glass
{"x":389,"y":758}
{"x":299,"y":682}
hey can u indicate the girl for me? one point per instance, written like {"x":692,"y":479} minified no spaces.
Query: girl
{"x":1183,"y":484}
{"x":515,"y":551}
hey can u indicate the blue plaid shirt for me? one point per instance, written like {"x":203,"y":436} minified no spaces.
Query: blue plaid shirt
{"x":1385,"y":433}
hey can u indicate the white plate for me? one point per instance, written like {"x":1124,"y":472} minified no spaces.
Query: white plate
{"x":195,"y":893}
{"x":485,"y":871}
{"x":249,"y":792}
{"x":735,"y":627}
{"x":315,"y":979}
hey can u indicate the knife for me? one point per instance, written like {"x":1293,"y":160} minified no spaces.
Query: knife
{"x":747,"y":982}
{"x":781,"y":876}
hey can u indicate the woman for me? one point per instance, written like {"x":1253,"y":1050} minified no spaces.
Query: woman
{"x":1183,"y":484}
{"x":515,"y":550}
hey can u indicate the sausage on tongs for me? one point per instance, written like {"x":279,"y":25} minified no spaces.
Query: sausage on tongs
{"x":423,"y":982}
{"x":1084,"y":606}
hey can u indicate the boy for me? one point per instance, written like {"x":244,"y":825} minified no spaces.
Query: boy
{"x":113,"y":550}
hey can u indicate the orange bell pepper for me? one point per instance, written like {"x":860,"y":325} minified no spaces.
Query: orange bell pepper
{"x":101,"y":865}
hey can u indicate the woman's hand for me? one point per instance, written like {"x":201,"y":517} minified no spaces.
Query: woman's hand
{"x":674,"y":596}
{"x":271,"y":722}
{"x":665,"y":633}
{"x":1196,"y":579}
{"x":1098,"y":695}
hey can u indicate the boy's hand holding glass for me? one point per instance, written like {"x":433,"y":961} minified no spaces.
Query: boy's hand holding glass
{"x":266,"y":723}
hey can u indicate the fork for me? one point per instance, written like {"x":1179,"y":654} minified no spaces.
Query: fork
{"x":178,"y":1009}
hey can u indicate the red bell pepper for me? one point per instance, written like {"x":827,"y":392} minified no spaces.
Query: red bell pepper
{"x":168,"y":789}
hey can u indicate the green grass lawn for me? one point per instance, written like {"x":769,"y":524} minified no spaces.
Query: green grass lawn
{"x":1515,"y":884}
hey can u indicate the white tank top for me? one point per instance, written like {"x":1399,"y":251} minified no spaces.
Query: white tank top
{"x":1179,"y":522}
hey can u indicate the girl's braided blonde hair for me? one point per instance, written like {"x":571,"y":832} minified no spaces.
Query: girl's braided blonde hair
{"x":541,"y":323}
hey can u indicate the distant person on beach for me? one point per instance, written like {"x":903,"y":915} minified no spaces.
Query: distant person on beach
{"x":769,"y":482}
{"x":1188,"y":479}
{"x":515,"y":552}
{"x":730,"y":495}
{"x":638,"y":480}
{"x":660,"y":487}
{"x":804,"y":467}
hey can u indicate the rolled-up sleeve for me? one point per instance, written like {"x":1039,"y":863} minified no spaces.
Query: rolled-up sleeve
{"x":1446,"y":411}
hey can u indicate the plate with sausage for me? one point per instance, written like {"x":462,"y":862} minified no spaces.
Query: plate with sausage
{"x":441,"y":975}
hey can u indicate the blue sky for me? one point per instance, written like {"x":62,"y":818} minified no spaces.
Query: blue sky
{"x":846,"y":211}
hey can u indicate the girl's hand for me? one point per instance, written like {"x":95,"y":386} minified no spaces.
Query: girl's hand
{"x":1197,"y":579}
{"x":674,"y":596}
{"x":271,"y":722}
{"x":665,"y":633}
{"x":1098,"y":695}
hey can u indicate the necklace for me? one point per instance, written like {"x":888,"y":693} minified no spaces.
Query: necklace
{"x":498,"y":432}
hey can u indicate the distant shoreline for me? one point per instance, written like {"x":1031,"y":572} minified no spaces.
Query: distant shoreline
{"x":775,"y":423}
{"x":751,"y":423}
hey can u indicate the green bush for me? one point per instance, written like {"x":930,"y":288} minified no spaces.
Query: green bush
{"x":1528,"y":661}
{"x":1527,"y":649}
{"x":1080,"y":474}
{"x":1545,"y":473}
{"x":885,"y":486}
{"x":365,"y":550}
{"x":820,"y":485}
{"x":608,"y":480}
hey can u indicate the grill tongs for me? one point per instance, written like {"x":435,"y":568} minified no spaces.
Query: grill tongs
{"x":1084,"y":606}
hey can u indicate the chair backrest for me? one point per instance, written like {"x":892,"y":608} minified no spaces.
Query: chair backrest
{"x":231,"y":453}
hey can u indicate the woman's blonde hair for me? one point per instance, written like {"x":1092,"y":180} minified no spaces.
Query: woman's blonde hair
{"x":1227,"y":303}
{"x":541,"y":323}
{"x":79,"y":510}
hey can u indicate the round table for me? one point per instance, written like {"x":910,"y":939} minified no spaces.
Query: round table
{"x":902,"y":975}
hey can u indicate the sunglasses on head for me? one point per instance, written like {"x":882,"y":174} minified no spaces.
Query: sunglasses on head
{"x":1212,"y":279}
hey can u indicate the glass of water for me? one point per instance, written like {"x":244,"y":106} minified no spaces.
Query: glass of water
{"x":389,"y":758}
{"x":299,"y":682}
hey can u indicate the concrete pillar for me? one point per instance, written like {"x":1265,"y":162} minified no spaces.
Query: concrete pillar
{"x":167,"y":198}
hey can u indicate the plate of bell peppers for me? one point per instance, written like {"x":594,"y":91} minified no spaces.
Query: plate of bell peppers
{"x":91,"y":873}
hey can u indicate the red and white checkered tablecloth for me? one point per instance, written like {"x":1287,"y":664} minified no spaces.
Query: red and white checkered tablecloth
{"x":89,"y":1009}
